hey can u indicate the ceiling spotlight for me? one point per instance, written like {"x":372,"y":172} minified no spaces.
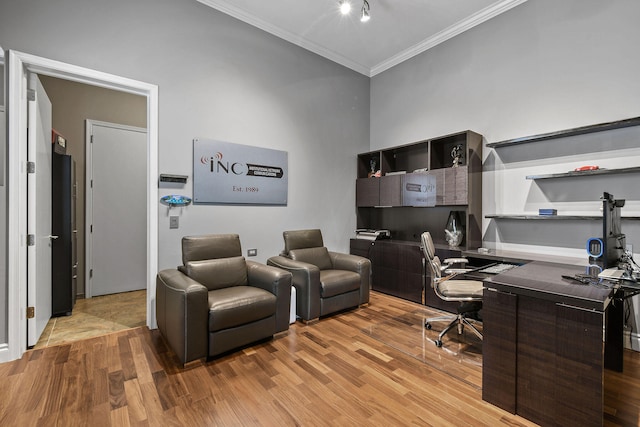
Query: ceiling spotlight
{"x":345,"y":7}
{"x":364,"y":15}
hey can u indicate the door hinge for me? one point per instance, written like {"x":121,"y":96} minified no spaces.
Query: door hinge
{"x":31,"y":95}
{"x":91,"y":140}
{"x":31,"y":239}
{"x":31,"y":312}
{"x":91,"y":273}
{"x":31,"y":167}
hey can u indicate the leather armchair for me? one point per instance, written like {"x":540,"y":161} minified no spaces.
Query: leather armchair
{"x":218,"y":301}
{"x":325,"y":281}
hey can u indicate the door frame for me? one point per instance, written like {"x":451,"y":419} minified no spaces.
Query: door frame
{"x":16,"y":65}
{"x":88,"y":191}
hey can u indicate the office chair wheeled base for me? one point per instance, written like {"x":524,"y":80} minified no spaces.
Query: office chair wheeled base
{"x":459,"y":320}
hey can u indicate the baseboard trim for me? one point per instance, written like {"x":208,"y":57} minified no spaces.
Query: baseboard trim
{"x":635,"y":342}
{"x":4,"y":353}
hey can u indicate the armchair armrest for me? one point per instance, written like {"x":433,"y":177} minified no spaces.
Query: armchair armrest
{"x":306,"y":279}
{"x":357,"y":264}
{"x":276,"y":281}
{"x":182,"y":311}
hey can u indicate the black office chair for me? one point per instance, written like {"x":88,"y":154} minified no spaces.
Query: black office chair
{"x":467,"y":292}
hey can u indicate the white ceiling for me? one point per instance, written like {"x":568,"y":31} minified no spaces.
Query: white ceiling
{"x":397,"y":31}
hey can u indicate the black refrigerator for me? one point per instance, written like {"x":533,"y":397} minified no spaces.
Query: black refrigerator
{"x":64,"y":265}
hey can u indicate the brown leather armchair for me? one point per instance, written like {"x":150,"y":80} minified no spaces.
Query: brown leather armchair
{"x":325,"y":281}
{"x":218,"y":301}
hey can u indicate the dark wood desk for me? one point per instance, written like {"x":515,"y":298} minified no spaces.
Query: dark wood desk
{"x":543,"y":348}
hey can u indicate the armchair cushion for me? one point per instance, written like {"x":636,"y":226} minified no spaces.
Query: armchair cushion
{"x":211,"y":246}
{"x":239,"y":305}
{"x":218,"y":273}
{"x":317,"y":256}
{"x":299,"y":239}
{"x":336,"y":282}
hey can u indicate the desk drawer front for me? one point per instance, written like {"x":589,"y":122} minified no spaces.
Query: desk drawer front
{"x":499,"y":349}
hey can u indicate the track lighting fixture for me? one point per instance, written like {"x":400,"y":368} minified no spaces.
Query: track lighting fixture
{"x":345,"y":9}
{"x":364,"y":14}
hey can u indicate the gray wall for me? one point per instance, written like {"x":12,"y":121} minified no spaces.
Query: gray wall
{"x":545,"y":65}
{"x":222,"y":79}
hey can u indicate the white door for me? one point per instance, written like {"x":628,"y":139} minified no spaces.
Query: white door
{"x":116,"y":208}
{"x":39,"y":153}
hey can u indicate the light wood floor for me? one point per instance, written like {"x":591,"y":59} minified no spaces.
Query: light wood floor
{"x":96,"y":316}
{"x":356,"y":368}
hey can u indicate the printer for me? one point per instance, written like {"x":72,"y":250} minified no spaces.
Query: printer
{"x":368,"y":234}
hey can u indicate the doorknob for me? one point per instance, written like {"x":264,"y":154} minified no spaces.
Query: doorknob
{"x":52,"y":237}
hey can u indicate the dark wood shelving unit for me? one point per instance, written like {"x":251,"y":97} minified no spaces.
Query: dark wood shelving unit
{"x":390,"y":200}
{"x":585,"y":173}
{"x":635,"y":121}
{"x":418,"y":188}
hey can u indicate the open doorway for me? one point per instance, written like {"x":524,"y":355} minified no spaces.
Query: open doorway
{"x":18,"y":65}
{"x":73,"y":103}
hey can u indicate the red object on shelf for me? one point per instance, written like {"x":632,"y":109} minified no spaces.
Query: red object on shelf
{"x":59,"y":142}
{"x":586,"y":168}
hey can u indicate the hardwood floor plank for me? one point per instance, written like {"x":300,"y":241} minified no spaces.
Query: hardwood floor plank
{"x":100,"y":387}
{"x":152,"y":405}
{"x":53,"y":397}
{"x":135,"y":402}
{"x":119,"y":416}
{"x":167,"y":398}
{"x":313,"y":370}
{"x":126,"y":358}
{"x":100,"y":415}
{"x":374,"y":366}
{"x":117,"y":396}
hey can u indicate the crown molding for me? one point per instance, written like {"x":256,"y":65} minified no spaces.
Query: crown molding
{"x":444,"y":35}
{"x":223,"y":6}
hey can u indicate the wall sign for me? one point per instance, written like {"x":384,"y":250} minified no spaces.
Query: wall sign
{"x":419,"y":189}
{"x":226,"y":173}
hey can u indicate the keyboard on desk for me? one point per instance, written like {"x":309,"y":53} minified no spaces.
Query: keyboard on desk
{"x":498,"y":268}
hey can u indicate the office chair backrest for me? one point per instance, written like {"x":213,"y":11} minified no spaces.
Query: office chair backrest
{"x":427,"y":245}
{"x":430,"y":255}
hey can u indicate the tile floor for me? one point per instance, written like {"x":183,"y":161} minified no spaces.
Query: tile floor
{"x":96,"y":316}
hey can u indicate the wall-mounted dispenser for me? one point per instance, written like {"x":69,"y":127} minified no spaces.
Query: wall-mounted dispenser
{"x":175,"y":200}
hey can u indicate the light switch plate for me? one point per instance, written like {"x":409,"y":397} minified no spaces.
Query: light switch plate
{"x":252,"y":252}
{"x":174,"y":222}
